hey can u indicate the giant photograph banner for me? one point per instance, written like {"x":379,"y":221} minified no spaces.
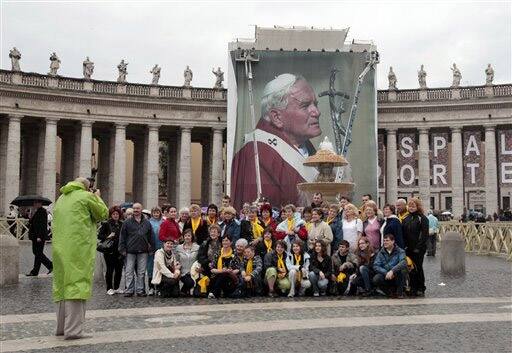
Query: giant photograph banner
{"x":292,"y":119}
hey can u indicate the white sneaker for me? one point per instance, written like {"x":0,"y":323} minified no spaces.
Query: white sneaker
{"x":111,"y":292}
{"x":291,"y":294}
{"x":119,"y":291}
{"x":211,"y":295}
{"x":151,"y":291}
{"x":316,"y":294}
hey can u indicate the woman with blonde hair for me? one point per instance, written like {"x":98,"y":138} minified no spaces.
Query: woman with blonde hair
{"x":352,"y":225}
{"x":198,"y":225}
{"x":415,"y":233}
{"x":371,"y":226}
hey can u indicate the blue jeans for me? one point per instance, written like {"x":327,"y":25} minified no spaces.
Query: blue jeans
{"x":317,"y":283}
{"x":365,"y":275}
{"x":132,"y":261}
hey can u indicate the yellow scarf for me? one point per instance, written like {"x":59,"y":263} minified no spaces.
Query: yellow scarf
{"x":203,"y":284}
{"x":402,"y":216}
{"x":341,"y":277}
{"x":329,"y":220}
{"x":210,"y":221}
{"x":248,"y":268}
{"x":257,"y":229}
{"x":195,"y":224}
{"x":297,"y":259}
{"x":268,"y":244}
{"x":267,"y":222}
{"x":223,"y":256}
{"x":291,"y":223}
{"x":309,"y":225}
{"x":280,"y":262}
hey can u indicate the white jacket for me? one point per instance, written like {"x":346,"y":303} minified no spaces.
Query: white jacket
{"x":159,"y":268}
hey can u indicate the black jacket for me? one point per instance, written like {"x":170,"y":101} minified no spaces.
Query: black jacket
{"x":271,"y":260}
{"x":202,"y":255}
{"x":38,"y":225}
{"x":325,"y":266}
{"x":135,"y":237}
{"x":261,"y":248}
{"x":415,"y":232}
{"x":201,"y":233}
{"x":108,"y":227}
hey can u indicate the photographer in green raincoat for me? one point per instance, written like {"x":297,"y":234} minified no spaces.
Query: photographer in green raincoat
{"x":75,"y":217}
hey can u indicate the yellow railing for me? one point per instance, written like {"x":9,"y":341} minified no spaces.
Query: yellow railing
{"x":17,"y":227}
{"x":492,"y":238}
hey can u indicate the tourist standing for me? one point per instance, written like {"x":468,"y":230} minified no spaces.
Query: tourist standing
{"x":136,"y":242}
{"x":198,"y":225}
{"x":401,"y":209}
{"x":38,"y":234}
{"x":170,"y":229}
{"x":335,"y":221}
{"x":156,"y":221}
{"x":184,"y":216}
{"x":433,"y":230}
{"x":391,"y":225}
{"x":352,"y":226}
{"x":320,"y":230}
{"x":415,"y":231}
{"x":75,"y":217}
{"x":110,"y":230}
{"x":371,"y":226}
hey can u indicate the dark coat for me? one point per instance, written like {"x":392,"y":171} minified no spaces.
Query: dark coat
{"x":135,"y":237}
{"x":261,"y":249}
{"x":270,"y":260}
{"x":415,"y":232}
{"x":337,"y":231}
{"x":246,"y":230}
{"x":202,"y":255}
{"x":108,"y":227}
{"x":38,"y":225}
{"x":385,"y":261}
{"x":201,"y":233}
{"x":325,"y":266}
{"x":232,"y":228}
{"x":393,"y":226}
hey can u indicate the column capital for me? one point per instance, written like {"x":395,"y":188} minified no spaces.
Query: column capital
{"x":153,"y":127}
{"x":86,"y":123}
{"x":51,"y":120}
{"x":120,"y":125}
{"x":391,"y":131}
{"x":456,"y":130}
{"x":186,"y":128}
{"x":490,"y":128}
{"x":15,"y":117}
{"x":423,"y":131}
{"x":218,"y":130}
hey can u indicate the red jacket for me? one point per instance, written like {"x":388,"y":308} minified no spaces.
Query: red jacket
{"x":169,"y":230}
{"x":302,"y":234}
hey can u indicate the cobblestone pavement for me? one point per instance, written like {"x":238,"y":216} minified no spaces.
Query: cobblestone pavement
{"x":469,"y":314}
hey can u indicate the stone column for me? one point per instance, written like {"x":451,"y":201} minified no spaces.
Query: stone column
{"x":119,"y":165}
{"x":457,"y":173}
{"x":391,"y":167}
{"x":85,"y":149}
{"x":138,"y":169}
{"x":151,"y":177}
{"x":185,"y":168}
{"x":12,"y":167}
{"x":491,"y":178}
{"x":4,"y":129}
{"x":49,"y":159}
{"x":424,"y":168}
{"x":172,"y":160}
{"x":177,"y":170}
{"x":205,"y":171}
{"x":217,"y":167}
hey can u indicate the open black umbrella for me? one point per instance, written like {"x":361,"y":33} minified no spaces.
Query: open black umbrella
{"x":28,"y":200}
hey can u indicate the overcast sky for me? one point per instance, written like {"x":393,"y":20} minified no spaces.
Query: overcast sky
{"x":176,"y":34}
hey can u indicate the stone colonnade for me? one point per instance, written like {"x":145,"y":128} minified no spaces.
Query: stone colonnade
{"x":28,"y":165}
{"x":425,"y":149}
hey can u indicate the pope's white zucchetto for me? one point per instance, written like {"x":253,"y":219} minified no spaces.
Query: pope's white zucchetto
{"x":279,"y":83}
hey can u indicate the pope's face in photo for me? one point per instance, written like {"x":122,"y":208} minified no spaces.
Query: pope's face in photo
{"x":300,"y":120}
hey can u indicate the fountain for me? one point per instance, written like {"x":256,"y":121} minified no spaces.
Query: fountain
{"x":325,"y":160}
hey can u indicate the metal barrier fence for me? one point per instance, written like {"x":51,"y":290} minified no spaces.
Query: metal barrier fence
{"x":492,"y":238}
{"x":17,"y":227}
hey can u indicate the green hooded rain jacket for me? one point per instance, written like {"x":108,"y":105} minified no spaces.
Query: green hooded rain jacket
{"x":75,"y":217}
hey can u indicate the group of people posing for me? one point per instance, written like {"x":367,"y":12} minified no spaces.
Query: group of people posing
{"x":322,"y":249}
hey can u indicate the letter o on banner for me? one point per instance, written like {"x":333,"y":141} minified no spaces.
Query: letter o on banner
{"x":404,"y":173}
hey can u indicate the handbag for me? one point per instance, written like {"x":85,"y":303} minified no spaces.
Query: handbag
{"x":106,"y":246}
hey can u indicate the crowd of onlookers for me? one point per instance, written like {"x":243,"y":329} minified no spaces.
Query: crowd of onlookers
{"x":323,"y":249}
